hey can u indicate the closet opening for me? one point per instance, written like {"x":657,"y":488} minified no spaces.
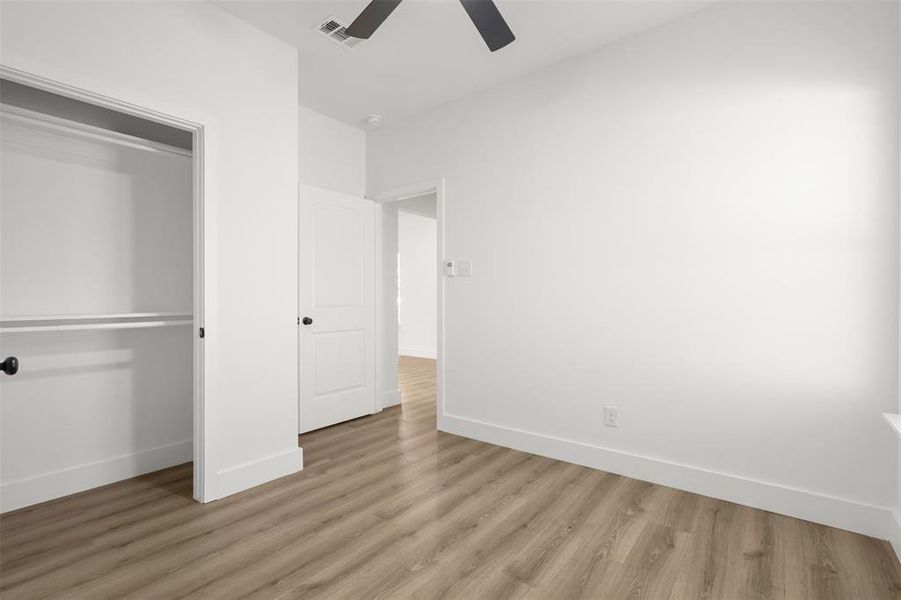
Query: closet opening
{"x":101,"y":295}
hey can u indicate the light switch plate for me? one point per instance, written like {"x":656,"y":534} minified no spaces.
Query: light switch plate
{"x":450,"y":268}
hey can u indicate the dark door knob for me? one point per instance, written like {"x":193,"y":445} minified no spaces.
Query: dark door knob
{"x":307,"y":321}
{"x":10,"y":365}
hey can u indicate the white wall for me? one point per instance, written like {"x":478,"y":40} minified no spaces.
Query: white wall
{"x":417,"y":311}
{"x":332,"y":154}
{"x":698,"y":225}
{"x":193,"y":60}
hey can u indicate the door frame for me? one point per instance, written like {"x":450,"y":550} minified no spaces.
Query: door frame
{"x":204,"y":440}
{"x":384,"y":296}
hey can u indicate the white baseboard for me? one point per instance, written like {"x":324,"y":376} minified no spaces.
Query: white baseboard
{"x":392,"y":398}
{"x":418,"y":352}
{"x":41,"y":488}
{"x":846,"y":514}
{"x":895,"y":532}
{"x":243,"y":477}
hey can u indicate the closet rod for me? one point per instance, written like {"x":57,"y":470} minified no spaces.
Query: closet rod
{"x":93,"y":326}
{"x":95,"y":317}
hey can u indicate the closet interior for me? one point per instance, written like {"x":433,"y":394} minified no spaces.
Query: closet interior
{"x":96,"y":295}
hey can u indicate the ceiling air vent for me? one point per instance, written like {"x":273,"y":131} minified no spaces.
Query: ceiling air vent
{"x":337,"y":32}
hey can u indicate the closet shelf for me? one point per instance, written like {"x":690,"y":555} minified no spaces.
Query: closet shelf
{"x":92,"y":322}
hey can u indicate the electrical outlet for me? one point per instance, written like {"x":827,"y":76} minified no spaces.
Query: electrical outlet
{"x":611,"y":416}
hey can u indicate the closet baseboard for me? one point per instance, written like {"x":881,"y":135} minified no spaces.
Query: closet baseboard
{"x":243,"y":477}
{"x":895,"y":532}
{"x":49,"y":486}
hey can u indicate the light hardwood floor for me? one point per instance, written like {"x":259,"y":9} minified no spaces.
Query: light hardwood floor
{"x":389,"y":508}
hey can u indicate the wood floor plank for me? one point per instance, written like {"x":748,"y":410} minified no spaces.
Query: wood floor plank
{"x":387,"y":507}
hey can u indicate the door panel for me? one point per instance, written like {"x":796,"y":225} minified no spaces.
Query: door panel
{"x":339,"y":256}
{"x":337,"y":291}
{"x":340,"y":361}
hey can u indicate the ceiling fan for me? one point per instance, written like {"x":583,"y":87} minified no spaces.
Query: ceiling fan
{"x":483,"y":13}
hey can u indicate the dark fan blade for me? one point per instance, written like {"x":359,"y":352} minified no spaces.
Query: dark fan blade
{"x":372,"y":16}
{"x":488,"y":20}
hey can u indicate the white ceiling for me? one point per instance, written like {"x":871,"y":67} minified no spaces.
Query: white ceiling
{"x":428,"y":52}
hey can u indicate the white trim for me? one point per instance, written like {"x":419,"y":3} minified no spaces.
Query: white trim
{"x":206,"y":457}
{"x":74,"y":129}
{"x":843,"y":513}
{"x":48,"y":486}
{"x":418,"y":352}
{"x":895,"y":532}
{"x":204,"y":159}
{"x":412,"y":190}
{"x":440,"y":360}
{"x":243,"y":477}
{"x":107,"y":98}
{"x":392,"y":398}
{"x":437,"y":187}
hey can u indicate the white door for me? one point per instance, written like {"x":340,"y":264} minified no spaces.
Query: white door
{"x":337,"y":307}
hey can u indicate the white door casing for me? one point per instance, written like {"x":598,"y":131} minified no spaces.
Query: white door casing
{"x":337,"y":293}
{"x":205,"y":255}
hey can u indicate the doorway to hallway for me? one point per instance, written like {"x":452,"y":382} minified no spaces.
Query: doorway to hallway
{"x":417,"y":294}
